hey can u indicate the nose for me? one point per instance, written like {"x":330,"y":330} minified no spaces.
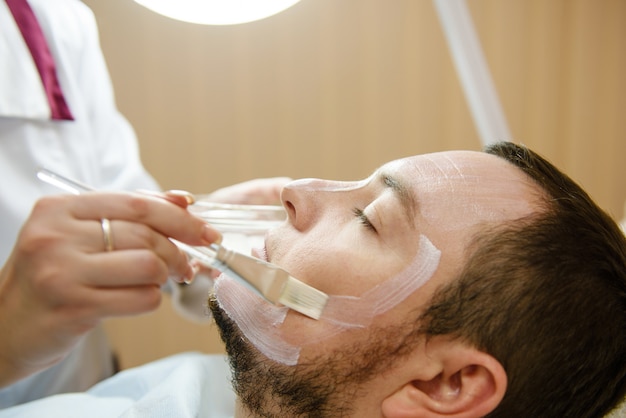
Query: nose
{"x":306,"y":200}
{"x":302,"y":201}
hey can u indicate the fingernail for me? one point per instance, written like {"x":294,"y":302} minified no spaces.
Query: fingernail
{"x":210,"y":235}
{"x":191,"y":274}
{"x":188,"y":196}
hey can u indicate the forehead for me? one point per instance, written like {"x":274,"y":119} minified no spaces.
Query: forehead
{"x":457,"y":188}
{"x":452,"y":165}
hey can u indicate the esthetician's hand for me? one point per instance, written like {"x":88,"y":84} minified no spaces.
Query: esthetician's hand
{"x":262,"y":191}
{"x":61,"y":279}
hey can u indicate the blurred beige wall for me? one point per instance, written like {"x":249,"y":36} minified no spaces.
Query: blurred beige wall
{"x":334,"y":88}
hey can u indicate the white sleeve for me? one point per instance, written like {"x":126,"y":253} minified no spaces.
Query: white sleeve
{"x":120,"y":166}
{"x":103,"y":141}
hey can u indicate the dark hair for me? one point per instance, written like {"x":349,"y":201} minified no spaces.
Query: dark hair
{"x":546,"y":296}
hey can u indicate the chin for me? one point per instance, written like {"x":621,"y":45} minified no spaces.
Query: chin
{"x":328,"y":384}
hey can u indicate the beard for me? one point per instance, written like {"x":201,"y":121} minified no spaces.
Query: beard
{"x":326,"y":386}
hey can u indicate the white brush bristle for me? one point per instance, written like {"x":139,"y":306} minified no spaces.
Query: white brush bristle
{"x":303,"y":298}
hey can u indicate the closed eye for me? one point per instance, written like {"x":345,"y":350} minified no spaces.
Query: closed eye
{"x":360,"y":215}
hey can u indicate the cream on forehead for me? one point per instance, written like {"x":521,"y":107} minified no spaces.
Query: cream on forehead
{"x":460,"y":187}
{"x":261,"y":322}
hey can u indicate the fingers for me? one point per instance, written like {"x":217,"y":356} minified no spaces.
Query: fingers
{"x":127,"y":301}
{"x":170,"y":220}
{"x":136,"y":267}
{"x":98,"y":303}
{"x":95,"y":223}
{"x":140,"y":256}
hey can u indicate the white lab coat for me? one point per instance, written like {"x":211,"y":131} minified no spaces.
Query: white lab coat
{"x":99,"y":148}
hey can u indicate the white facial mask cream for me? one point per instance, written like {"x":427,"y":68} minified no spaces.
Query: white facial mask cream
{"x":261,"y":322}
{"x":457,"y":194}
{"x":317,"y":185}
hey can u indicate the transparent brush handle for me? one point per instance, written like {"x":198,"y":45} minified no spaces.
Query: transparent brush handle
{"x":62,"y":182}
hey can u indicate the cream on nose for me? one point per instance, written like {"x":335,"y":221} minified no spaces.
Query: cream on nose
{"x":318,"y":185}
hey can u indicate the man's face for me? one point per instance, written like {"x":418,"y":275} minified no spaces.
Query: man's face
{"x":350,"y":238}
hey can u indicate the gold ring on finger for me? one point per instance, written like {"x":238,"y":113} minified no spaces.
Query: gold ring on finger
{"x":107,"y":233}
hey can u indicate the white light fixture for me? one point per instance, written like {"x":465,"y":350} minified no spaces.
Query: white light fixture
{"x":217,"y":12}
{"x":473,"y":71}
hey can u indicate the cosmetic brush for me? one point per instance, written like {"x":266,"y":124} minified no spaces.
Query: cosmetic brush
{"x":269,"y":281}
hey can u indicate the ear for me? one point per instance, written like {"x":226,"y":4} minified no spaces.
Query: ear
{"x":448,"y":378}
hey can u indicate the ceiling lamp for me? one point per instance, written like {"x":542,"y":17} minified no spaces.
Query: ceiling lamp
{"x":217,"y":12}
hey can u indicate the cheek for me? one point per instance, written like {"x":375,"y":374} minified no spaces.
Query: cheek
{"x":283,"y":335}
{"x":337,"y":270}
{"x":331,"y":260}
{"x":329,"y":268}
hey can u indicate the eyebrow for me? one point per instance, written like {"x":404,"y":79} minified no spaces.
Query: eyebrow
{"x":402,"y":193}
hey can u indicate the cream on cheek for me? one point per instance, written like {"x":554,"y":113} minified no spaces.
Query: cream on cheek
{"x":262,"y":322}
